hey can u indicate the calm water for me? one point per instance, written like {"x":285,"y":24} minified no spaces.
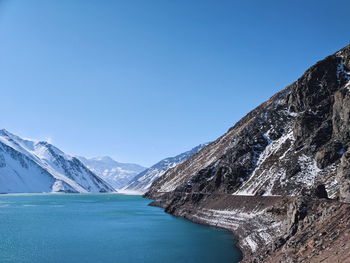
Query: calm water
{"x":103,"y":228}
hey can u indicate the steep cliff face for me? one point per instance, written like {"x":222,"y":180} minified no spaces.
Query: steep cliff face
{"x":295,"y":144}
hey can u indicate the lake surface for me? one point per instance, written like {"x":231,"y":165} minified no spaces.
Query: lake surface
{"x":104,"y":228}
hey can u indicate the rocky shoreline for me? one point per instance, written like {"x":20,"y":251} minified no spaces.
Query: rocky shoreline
{"x":241,"y":215}
{"x":275,"y":229}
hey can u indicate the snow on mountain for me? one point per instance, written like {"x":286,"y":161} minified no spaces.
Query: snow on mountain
{"x":142,"y":182}
{"x":37,"y":166}
{"x":115,"y":173}
{"x":271,"y":177}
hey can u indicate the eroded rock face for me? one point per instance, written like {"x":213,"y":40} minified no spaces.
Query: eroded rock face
{"x":314,"y":231}
{"x":341,"y":114}
{"x":295,"y":144}
{"x":329,"y":154}
{"x":344,"y":178}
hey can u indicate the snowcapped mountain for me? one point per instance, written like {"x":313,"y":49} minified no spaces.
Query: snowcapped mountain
{"x":143,"y":180}
{"x":115,"y":173}
{"x":28,"y":166}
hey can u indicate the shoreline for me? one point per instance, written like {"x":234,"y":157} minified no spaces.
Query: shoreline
{"x":129,"y":192}
{"x":234,"y":234}
{"x":243,"y":216}
{"x":269,"y":228}
{"x":236,"y":237}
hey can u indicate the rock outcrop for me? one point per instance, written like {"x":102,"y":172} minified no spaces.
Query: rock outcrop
{"x":344,"y":178}
{"x":288,"y":157}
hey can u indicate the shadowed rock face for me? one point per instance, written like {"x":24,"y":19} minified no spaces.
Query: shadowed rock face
{"x":295,"y":144}
{"x":344,"y":178}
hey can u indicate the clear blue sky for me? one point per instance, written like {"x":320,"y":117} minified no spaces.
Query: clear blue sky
{"x":142,"y":80}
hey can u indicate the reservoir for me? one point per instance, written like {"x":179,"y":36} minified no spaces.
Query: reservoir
{"x":45,"y":228}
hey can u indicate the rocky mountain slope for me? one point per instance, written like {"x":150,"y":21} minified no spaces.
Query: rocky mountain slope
{"x":115,"y":173}
{"x":142,"y":182}
{"x":28,"y":166}
{"x":268,"y":179}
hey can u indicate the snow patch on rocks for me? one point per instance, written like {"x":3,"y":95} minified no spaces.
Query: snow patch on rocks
{"x":260,"y":176}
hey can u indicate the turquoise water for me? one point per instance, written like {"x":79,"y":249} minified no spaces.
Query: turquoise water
{"x":104,"y":228}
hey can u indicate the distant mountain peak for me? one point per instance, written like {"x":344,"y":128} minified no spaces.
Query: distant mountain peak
{"x":104,"y":158}
{"x":115,"y":173}
{"x":38,"y":166}
{"x":4,"y":132}
{"x":144,"y":180}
